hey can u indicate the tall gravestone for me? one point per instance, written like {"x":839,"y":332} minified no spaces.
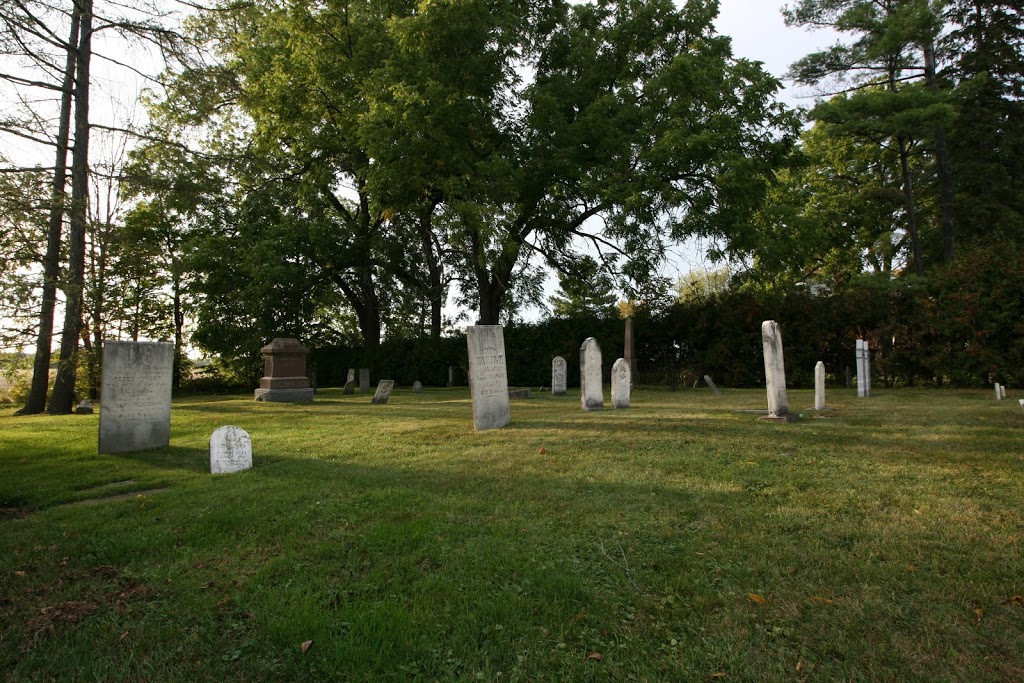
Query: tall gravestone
{"x":711,"y":383}
{"x":819,"y":386}
{"x":230,"y":450}
{"x":488,"y":376}
{"x":621,"y":381}
{"x":558,"y":375}
{"x":364,"y":380}
{"x":774,"y":373}
{"x":863,"y":369}
{"x":417,"y":387}
{"x":591,"y":388}
{"x":284,"y":373}
{"x":136,"y":391}
{"x":383,"y":393}
{"x":350,"y":382}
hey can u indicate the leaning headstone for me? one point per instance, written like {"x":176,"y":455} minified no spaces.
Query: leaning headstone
{"x":621,"y":380}
{"x":84,"y":408}
{"x":488,"y":376}
{"x":364,"y":380}
{"x":383,"y":393}
{"x":284,"y":373}
{"x":558,"y":374}
{"x":417,"y":387}
{"x":136,"y":390}
{"x":863,"y":369}
{"x":774,"y":373}
{"x":999,"y":393}
{"x":710,"y":383}
{"x":230,"y":450}
{"x":819,"y":386}
{"x":350,"y":382}
{"x":591,"y":389}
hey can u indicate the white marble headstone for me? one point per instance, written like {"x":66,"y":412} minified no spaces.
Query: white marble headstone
{"x":230,"y":450}
{"x":774,"y":369}
{"x":998,"y":390}
{"x":136,"y":396}
{"x":863,"y":369}
{"x":621,"y":381}
{"x":819,"y":386}
{"x":488,"y":377}
{"x":383,"y":393}
{"x":558,"y":376}
{"x":591,"y":387}
{"x":417,"y":387}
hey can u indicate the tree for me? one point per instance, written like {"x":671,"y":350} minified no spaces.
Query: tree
{"x":585,"y":291}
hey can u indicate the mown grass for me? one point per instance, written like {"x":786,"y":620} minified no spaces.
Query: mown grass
{"x":677,"y":540}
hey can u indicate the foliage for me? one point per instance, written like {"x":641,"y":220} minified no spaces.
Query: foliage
{"x":586,"y":290}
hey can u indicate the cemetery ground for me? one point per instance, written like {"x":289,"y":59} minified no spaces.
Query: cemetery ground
{"x":678,"y":540}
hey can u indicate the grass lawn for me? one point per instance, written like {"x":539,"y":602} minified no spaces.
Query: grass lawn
{"x":678,"y":540}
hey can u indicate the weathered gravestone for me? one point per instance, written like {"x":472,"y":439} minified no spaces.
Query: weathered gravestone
{"x":136,"y":391}
{"x":558,"y":376}
{"x":819,"y":386}
{"x":999,"y":391}
{"x":284,"y":373}
{"x":488,"y":376}
{"x":711,"y":383}
{"x":863,"y":369}
{"x":774,"y":373}
{"x":383,"y":393}
{"x":520,"y":393}
{"x":364,"y":380}
{"x":84,"y":408}
{"x":621,"y":380}
{"x":1002,"y":390}
{"x":417,"y":387}
{"x":350,"y":382}
{"x":591,"y":388}
{"x":230,"y":450}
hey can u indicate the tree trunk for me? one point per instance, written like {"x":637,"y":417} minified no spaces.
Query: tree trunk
{"x":62,"y":399}
{"x":910,"y":206}
{"x":945,"y":172}
{"x":179,"y":324}
{"x":436,"y":286}
{"x":36,"y":402}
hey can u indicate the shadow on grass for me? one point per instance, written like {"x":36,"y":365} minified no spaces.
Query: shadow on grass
{"x":170,"y":458}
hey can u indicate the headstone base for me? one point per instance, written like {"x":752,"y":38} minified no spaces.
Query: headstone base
{"x":284,"y":395}
{"x":788,"y":417}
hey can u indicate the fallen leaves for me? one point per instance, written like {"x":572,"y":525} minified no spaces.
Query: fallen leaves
{"x":821,"y":601}
{"x":1016,"y":600}
{"x":758,"y":599}
{"x":594,"y":656}
{"x":306,"y":645}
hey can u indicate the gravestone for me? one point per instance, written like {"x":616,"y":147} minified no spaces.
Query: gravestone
{"x":591,"y":389}
{"x":456,"y":376}
{"x":364,"y":380}
{"x":84,"y":408}
{"x":710,"y":383}
{"x":1002,"y":390}
{"x":284,"y":373}
{"x":621,"y":381}
{"x":230,"y":450}
{"x":819,"y":386}
{"x":350,"y":382}
{"x":774,"y":373}
{"x":558,"y":374}
{"x":1022,"y":404}
{"x":863,"y":369}
{"x":383,"y":393}
{"x":520,"y":393}
{"x":999,"y":392}
{"x":417,"y":387}
{"x":488,"y":376}
{"x":136,"y":390}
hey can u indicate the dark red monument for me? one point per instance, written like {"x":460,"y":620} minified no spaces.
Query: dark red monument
{"x":284,"y":373}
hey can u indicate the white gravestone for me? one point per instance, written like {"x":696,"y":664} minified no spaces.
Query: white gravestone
{"x":383,"y":393}
{"x":488,"y":376}
{"x":999,"y":392}
{"x":558,"y":375}
{"x":1002,"y":390}
{"x":230,"y":450}
{"x":136,"y":396}
{"x":621,"y":380}
{"x":417,"y":387}
{"x":711,"y":383}
{"x":863,"y":369}
{"x":774,"y":373}
{"x":591,"y":388}
{"x":350,"y":382}
{"x":819,"y":386}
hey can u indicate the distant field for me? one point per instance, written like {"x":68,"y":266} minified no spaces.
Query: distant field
{"x":679,"y":540}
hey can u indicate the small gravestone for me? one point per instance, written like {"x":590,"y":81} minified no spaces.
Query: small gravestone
{"x":621,"y":380}
{"x":520,"y":393}
{"x":711,"y":383}
{"x":350,"y":382}
{"x":284,"y":373}
{"x":417,"y":387}
{"x":1002,"y":390}
{"x":558,"y":374}
{"x":591,"y":387}
{"x":383,"y":393}
{"x":230,"y":450}
{"x":774,"y":373}
{"x":84,"y":408}
{"x":488,"y":376}
{"x":999,"y":391}
{"x":364,"y":380}
{"x":863,"y":369}
{"x":1022,"y":404}
{"x":136,"y":390}
{"x":819,"y":386}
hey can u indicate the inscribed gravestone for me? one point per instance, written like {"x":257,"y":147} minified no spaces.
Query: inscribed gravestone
{"x":383,"y":393}
{"x":863,"y":369}
{"x":230,"y":450}
{"x":284,"y":373}
{"x":774,"y":373}
{"x":488,"y":376}
{"x":591,"y":388}
{"x":819,"y":386}
{"x":136,"y":392}
{"x":558,"y":381}
{"x":621,"y":380}
{"x":350,"y":382}
{"x":364,"y":380}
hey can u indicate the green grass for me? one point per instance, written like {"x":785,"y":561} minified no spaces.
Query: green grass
{"x":886,"y":542}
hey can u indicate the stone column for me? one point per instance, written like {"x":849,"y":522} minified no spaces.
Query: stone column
{"x":819,"y":386}
{"x":591,"y":387}
{"x":284,"y":373}
{"x":774,"y":373}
